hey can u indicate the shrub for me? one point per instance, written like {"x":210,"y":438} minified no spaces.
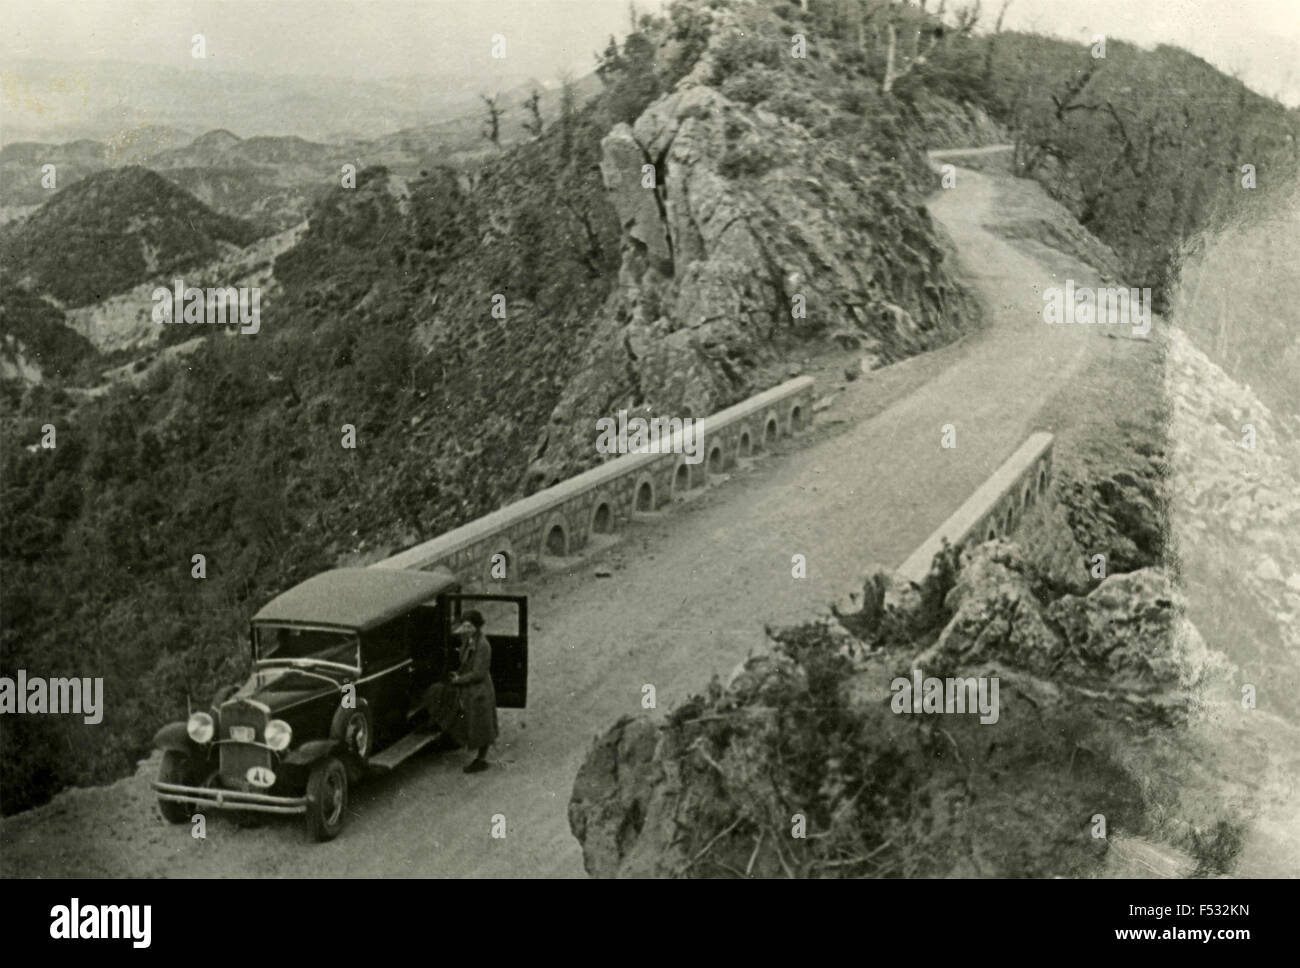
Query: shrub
{"x":795,"y":106}
{"x":747,"y":159}
{"x":750,"y":86}
{"x":738,"y":52}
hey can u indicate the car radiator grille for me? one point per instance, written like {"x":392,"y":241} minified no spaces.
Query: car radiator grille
{"x":237,"y":758}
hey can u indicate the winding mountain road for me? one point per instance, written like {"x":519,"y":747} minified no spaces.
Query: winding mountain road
{"x":687,"y":596}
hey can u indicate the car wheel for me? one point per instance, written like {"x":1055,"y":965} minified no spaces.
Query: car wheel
{"x":327,"y":799}
{"x":175,"y":769}
{"x":355,"y":729}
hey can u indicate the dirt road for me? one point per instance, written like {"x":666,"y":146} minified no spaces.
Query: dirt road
{"x":688,"y":596}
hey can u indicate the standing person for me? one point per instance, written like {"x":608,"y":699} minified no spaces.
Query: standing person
{"x":470,"y":716}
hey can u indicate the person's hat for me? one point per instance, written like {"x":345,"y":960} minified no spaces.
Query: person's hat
{"x":473,"y":616}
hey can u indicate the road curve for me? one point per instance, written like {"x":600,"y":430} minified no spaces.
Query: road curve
{"x":688,"y":595}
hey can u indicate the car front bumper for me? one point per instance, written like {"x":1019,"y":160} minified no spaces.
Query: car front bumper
{"x":229,"y":799}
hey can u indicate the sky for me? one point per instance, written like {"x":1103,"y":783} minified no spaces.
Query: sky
{"x":1257,"y":39}
{"x":358,"y":38}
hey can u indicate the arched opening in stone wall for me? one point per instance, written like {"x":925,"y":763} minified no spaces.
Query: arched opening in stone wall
{"x":796,"y":420}
{"x":769,"y":433}
{"x":1027,"y":499}
{"x":602,"y":519}
{"x":682,"y":478}
{"x":1010,"y":519}
{"x":745,"y":448}
{"x":991,"y":534}
{"x":645,"y":497}
{"x":1042,"y":480}
{"x":715,"y":460}
{"x":557,"y":542}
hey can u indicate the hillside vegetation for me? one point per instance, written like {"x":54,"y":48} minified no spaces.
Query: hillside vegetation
{"x":1145,"y":147}
{"x":776,"y":177}
{"x":110,"y":231}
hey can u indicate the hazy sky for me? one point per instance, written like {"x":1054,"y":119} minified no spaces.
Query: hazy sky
{"x":361,"y":38}
{"x":1260,"y":39}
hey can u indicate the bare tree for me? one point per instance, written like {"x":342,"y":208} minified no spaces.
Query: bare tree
{"x":533,"y":106}
{"x":893,"y":70}
{"x":568,"y":113}
{"x":992,"y":44}
{"x":967,"y":18}
{"x":997,"y":27}
{"x":492,"y":127}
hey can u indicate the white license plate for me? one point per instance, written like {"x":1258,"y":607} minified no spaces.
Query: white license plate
{"x":242,"y":734}
{"x":260,"y":776}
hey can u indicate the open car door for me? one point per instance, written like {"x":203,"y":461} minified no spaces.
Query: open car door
{"x":505,"y":624}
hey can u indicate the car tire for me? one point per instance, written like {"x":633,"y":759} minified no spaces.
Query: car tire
{"x":355,"y":730}
{"x":327,"y":799}
{"x":176,"y":769}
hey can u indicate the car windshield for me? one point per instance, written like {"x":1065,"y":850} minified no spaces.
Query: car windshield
{"x":275,"y":643}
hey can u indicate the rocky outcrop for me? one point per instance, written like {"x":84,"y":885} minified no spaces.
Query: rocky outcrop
{"x":746,"y":234}
{"x":635,"y":195}
{"x":807,"y":730}
{"x":621,"y":803}
{"x":995,"y":618}
{"x":1127,"y":643}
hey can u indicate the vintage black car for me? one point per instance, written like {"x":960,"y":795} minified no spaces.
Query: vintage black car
{"x":341,"y":665}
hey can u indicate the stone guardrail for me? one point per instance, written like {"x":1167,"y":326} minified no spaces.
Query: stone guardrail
{"x":995,"y":507}
{"x":560,"y":520}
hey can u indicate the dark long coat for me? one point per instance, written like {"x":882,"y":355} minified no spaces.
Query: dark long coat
{"x":470,"y":714}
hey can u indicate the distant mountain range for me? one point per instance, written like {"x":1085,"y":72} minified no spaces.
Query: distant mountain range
{"x":52,"y":100}
{"x":271,"y":178}
{"x":126,"y":211}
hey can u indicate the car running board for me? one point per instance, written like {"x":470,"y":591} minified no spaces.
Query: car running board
{"x":404,"y":748}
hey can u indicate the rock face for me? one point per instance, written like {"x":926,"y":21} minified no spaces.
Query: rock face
{"x":1128,"y":642}
{"x":1132,"y":637}
{"x":995,"y":617}
{"x":746,"y":235}
{"x":1090,"y":686}
{"x":618,"y":800}
{"x":635,"y":195}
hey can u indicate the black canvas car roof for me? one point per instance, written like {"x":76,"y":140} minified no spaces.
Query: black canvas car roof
{"x":355,"y":598}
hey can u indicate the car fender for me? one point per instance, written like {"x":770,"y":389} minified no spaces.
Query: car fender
{"x":224,"y":693}
{"x":174,"y":736}
{"x":312,"y":751}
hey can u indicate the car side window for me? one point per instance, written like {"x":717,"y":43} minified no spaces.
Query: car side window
{"x":499,"y":617}
{"x":386,"y":645}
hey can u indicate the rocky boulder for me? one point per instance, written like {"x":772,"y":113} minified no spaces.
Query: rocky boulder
{"x":1127,"y":645}
{"x":806,"y":733}
{"x":745,"y":237}
{"x":995,"y":617}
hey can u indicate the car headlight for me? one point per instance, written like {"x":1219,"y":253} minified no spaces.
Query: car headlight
{"x":199,"y":727}
{"x":278,"y":734}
